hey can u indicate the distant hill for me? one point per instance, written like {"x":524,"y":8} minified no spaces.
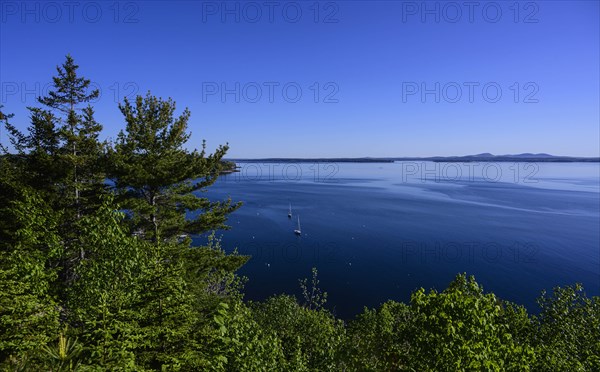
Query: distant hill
{"x":483,"y":157}
{"x":530,"y":155}
{"x":524,"y":157}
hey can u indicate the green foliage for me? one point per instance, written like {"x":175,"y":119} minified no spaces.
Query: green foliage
{"x":69,"y":88}
{"x":462,"y":329}
{"x":243,"y":345}
{"x":61,"y":145}
{"x":10,"y":185}
{"x":157,"y":178}
{"x":64,"y":356}
{"x":35,"y":163}
{"x":104,"y":301}
{"x":314,"y":297}
{"x":567,"y":332}
{"x":379,"y":340}
{"x":310,"y":338}
{"x":60,"y":158}
{"x":132,"y":302}
{"x":459,"y":329}
{"x":209,"y":272}
{"x":29,"y":313}
{"x":79,"y":151}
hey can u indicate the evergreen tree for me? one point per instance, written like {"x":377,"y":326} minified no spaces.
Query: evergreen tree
{"x":29,"y":312}
{"x":105,"y":301}
{"x":60,"y":153}
{"x":36,"y":159}
{"x":138,"y":305}
{"x":3,"y":122}
{"x":158,"y":179}
{"x":80,"y":149}
{"x":10,"y":182}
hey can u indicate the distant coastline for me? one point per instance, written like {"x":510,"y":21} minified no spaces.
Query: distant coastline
{"x":314,"y":160}
{"x":486,"y":157}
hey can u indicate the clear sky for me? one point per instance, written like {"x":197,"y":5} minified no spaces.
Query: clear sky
{"x":328,"y":79}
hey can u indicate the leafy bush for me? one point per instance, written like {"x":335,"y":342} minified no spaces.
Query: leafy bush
{"x":310,"y":338}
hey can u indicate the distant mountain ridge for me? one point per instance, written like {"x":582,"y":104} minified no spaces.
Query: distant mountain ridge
{"x":483,"y":157}
{"x":523,"y":155}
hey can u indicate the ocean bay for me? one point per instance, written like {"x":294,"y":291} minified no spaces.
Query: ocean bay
{"x":378,"y":231}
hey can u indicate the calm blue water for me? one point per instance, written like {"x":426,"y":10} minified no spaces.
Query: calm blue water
{"x":378,"y":231}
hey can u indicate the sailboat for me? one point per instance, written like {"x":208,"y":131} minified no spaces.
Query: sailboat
{"x":298,"y":231}
{"x":290,"y":212}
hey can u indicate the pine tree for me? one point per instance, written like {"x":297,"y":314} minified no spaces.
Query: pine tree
{"x":3,"y":122}
{"x":9,"y":186}
{"x":60,"y":154}
{"x":80,"y":149}
{"x":157,"y":178}
{"x":32,"y":167}
{"x":29,"y":315}
{"x":105,"y":301}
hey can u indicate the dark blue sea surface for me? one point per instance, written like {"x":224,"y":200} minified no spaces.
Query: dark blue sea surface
{"x":378,"y":231}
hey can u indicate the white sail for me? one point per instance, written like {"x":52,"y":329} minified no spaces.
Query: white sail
{"x":298,"y":231}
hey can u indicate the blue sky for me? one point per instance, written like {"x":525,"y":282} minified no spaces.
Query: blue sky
{"x":328,"y":79}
